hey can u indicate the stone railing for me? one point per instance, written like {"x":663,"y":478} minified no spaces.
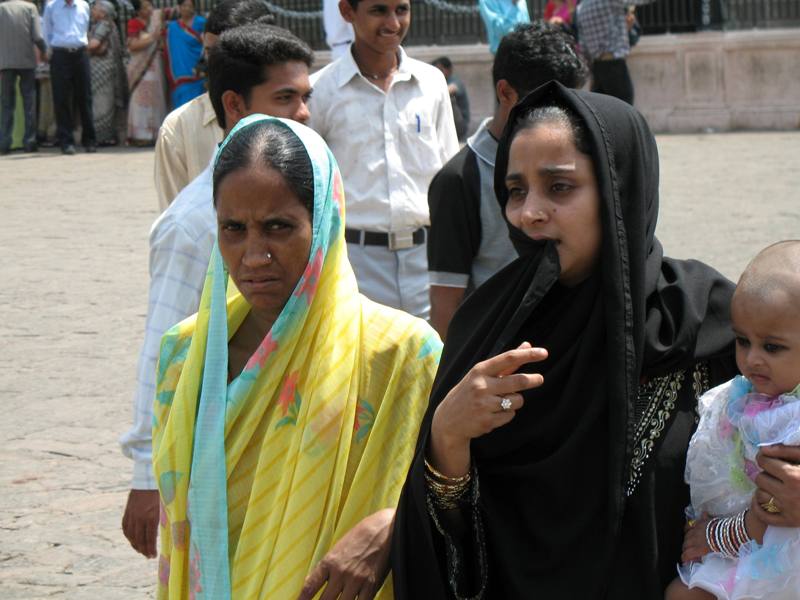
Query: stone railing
{"x":684,"y":82}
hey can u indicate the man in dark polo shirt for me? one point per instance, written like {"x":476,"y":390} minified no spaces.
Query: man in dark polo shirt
{"x":468,"y":240}
{"x":66,"y":24}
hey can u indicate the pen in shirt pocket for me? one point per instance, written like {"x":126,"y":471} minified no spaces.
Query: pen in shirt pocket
{"x":419,"y":123}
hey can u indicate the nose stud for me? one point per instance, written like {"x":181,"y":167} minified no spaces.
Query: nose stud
{"x":268,"y":257}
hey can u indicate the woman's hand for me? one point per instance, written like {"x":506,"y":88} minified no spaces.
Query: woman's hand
{"x":695,"y":545}
{"x":357,"y":565}
{"x":474,"y":406}
{"x":780,"y":483}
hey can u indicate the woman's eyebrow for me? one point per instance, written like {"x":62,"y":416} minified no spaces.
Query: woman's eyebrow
{"x":556,"y":169}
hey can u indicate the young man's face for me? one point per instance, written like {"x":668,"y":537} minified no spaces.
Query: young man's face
{"x":380,"y":25}
{"x":284,"y":94}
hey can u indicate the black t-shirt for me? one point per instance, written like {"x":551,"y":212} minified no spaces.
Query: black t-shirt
{"x":455,"y":234}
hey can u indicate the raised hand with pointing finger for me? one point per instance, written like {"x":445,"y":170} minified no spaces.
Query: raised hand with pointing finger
{"x":486,"y":398}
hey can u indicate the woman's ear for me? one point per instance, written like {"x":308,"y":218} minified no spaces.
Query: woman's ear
{"x":234,"y":106}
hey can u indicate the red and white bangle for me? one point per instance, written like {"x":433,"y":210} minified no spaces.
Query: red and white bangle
{"x":726,"y":535}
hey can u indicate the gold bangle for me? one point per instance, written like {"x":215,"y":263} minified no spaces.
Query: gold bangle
{"x":444,"y":496}
{"x":444,"y":478}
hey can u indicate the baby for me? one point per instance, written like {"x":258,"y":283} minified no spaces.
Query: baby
{"x":728,"y":552}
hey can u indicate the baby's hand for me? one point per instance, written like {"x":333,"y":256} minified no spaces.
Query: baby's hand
{"x":695,"y":545}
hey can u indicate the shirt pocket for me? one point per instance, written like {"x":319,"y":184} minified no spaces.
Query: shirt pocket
{"x":417,"y":132}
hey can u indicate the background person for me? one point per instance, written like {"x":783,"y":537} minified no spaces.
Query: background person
{"x":560,"y":12}
{"x":148,"y":102}
{"x":252,"y":69}
{"x":603,"y":32}
{"x":338,"y":32}
{"x":500,"y":17}
{"x":564,"y":478}
{"x":66,"y":24}
{"x":387,"y":118}
{"x":109,"y":81}
{"x":188,"y":137}
{"x":458,"y":95}
{"x":468,"y":239}
{"x":324,"y":391}
{"x":183,"y":49}
{"x":20,"y":31}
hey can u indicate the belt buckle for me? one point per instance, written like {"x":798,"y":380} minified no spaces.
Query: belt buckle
{"x":401,"y":240}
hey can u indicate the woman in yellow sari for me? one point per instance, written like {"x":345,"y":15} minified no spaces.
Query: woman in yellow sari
{"x":287,"y":409}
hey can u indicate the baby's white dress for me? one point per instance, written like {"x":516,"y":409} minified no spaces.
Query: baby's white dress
{"x":720,"y":468}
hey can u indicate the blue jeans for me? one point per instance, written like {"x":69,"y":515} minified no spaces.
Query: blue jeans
{"x":8,"y":97}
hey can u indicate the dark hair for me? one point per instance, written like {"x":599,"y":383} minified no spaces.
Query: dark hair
{"x":233,"y":13}
{"x":137,"y":5}
{"x":443,"y":61}
{"x":553,"y":113}
{"x":239,"y":60}
{"x":533,"y":54}
{"x":272,"y":145}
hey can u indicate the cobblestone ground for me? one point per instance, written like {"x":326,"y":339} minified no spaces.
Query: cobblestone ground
{"x":74,"y":246}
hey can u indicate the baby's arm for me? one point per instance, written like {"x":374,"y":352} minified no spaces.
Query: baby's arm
{"x":696,"y":537}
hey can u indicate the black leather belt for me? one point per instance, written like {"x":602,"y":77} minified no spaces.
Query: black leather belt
{"x":69,"y":50}
{"x":394,"y":240}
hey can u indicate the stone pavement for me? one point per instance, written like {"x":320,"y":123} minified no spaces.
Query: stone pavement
{"x":74,"y":243}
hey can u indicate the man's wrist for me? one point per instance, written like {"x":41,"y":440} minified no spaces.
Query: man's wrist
{"x":143,"y":478}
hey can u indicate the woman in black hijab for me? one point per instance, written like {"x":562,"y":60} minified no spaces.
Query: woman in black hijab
{"x":576,"y":486}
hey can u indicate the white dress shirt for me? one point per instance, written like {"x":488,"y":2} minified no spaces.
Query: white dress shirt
{"x":181,"y":241}
{"x":66,"y":25}
{"x":187,"y":140}
{"x":388,"y":145}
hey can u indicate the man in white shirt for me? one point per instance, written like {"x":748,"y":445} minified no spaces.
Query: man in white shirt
{"x":189,"y":135}
{"x":251,"y":69}
{"x":66,"y":27}
{"x":388,"y":120}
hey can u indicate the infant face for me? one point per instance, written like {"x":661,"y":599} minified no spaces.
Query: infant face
{"x":767,"y":329}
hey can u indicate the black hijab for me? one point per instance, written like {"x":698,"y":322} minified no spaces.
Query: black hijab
{"x":552,"y":481}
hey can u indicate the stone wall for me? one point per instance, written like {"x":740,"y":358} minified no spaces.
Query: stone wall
{"x":720,"y":81}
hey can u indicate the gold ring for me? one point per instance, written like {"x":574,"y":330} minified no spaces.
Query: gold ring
{"x":770,"y":506}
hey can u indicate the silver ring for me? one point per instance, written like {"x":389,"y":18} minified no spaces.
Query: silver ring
{"x":505,"y":403}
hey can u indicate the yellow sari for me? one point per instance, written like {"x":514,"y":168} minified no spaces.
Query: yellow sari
{"x":261,"y":476}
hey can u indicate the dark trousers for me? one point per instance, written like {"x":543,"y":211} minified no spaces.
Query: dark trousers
{"x":71,"y":79}
{"x":8,"y":97}
{"x":612,"y":77}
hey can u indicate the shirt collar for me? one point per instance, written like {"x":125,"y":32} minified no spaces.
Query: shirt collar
{"x":209,"y":116}
{"x":483,"y":143}
{"x":347,"y":67}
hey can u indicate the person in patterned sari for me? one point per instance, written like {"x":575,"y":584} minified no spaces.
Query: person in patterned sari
{"x":148,"y":100}
{"x":288,"y":407}
{"x":109,"y":82}
{"x":183,"y":49}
